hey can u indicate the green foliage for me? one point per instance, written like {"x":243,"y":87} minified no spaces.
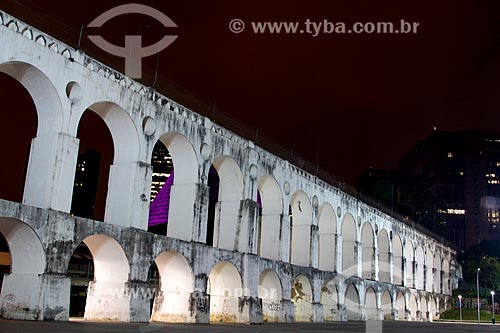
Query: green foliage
{"x":489,"y":276}
{"x":469,"y":315}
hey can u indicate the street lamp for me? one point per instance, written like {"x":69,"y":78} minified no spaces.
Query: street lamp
{"x":493,"y":305}
{"x":460,"y":303}
{"x":478,"y":312}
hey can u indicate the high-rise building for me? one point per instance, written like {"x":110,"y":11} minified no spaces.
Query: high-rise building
{"x":450,"y":181}
{"x":86,"y":179}
{"x":162,"y":168}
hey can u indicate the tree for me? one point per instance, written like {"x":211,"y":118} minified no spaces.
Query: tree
{"x":490,"y":272}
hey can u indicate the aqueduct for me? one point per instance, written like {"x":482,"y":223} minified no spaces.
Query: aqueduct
{"x":279,"y":245}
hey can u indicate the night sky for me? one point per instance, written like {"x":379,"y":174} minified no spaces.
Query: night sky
{"x":365,"y":98}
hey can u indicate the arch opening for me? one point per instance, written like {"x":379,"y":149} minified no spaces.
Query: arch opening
{"x":226,"y":190}
{"x":420,"y":263}
{"x":412,"y":307}
{"x":270,"y":203}
{"x":384,"y":255}
{"x":302,"y":299}
{"x":271,"y":295}
{"x":386,"y":305}
{"x":352,"y":303}
{"x":106,"y":297}
{"x":225,"y":289}
{"x":329,"y":300}
{"x":22,"y":263}
{"x":371,"y":304}
{"x":397,"y":250}
{"x":349,"y":246}
{"x":401,"y":306}
{"x":327,"y":223}
{"x":409,"y":264}
{"x":176,"y":284}
{"x":21,"y":125}
{"x":173,"y":187}
{"x":368,"y":252}
{"x":92,"y":171}
{"x":429,"y":270}
{"x":300,"y":221}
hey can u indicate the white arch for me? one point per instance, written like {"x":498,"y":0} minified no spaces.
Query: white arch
{"x":437,"y":273}
{"x":352,"y":303}
{"x":329,"y":300}
{"x":401,"y":306}
{"x":327,"y":223}
{"x":424,"y":308}
{"x":270,"y":218}
{"x":386,"y":305}
{"x":270,"y":291}
{"x":26,"y":250}
{"x":420,"y":259}
{"x":429,"y":273}
{"x":110,"y":261}
{"x":183,"y":192}
{"x":230,"y":195}
{"x":371,"y":304}
{"x":111,"y":274}
{"x":224,"y":288}
{"x":413,"y":307}
{"x":300,"y":247}
{"x":183,"y":157}
{"x":177,"y":283}
{"x":43,"y":92}
{"x":302,"y":299}
{"x":349,"y":246}
{"x":397,"y":250}
{"x":409,"y":259}
{"x":122,"y":128}
{"x":368,"y":252}
{"x":384,"y":261}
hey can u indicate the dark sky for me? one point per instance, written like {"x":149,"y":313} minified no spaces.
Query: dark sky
{"x":368,"y":98}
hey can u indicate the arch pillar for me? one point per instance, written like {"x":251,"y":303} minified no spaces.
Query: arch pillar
{"x":127,"y":203}
{"x":250,"y":303}
{"x":51,"y":171}
{"x":200,"y":300}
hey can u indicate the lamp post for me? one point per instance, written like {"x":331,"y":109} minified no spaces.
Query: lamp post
{"x":493,"y":307}
{"x":460,"y":303}
{"x":478,"y":312}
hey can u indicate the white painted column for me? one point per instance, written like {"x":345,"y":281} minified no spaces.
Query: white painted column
{"x":127,"y":202}
{"x":51,"y":172}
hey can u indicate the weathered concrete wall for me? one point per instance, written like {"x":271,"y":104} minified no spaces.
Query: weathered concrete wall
{"x":63,"y":83}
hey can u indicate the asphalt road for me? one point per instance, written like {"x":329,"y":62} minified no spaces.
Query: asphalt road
{"x":8,"y":326}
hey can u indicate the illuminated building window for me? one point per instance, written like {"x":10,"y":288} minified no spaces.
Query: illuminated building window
{"x":493,"y":215}
{"x":498,"y":164}
{"x":461,"y":173}
{"x":491,"y":175}
{"x":452,"y":211}
{"x":451,"y":155}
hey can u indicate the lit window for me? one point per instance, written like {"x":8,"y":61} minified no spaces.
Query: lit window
{"x":452,"y":211}
{"x":461,"y":173}
{"x":491,"y":175}
{"x":493,"y":215}
{"x":451,"y":155}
